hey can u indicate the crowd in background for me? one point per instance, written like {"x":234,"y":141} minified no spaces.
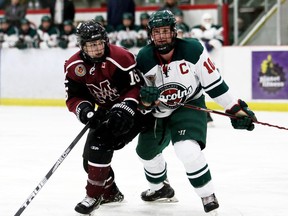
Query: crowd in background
{"x":58,"y":29}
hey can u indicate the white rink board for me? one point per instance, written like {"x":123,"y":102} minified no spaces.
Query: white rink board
{"x":39,"y":74}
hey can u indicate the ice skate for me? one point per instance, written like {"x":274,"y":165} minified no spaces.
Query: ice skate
{"x":88,"y":205}
{"x":210,"y":203}
{"x":113,"y":195}
{"x":165,"y":194}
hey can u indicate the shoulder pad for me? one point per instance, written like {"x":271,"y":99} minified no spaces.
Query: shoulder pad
{"x":121,"y":58}
{"x":75,"y":66}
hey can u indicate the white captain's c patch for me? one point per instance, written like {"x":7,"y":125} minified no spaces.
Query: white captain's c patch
{"x":80,"y":70}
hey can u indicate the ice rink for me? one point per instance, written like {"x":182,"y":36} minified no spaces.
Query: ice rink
{"x":249,"y":169}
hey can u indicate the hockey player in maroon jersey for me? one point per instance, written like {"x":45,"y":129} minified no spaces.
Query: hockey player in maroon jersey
{"x":104,"y":75}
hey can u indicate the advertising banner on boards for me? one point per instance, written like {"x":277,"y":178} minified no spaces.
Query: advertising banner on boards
{"x":270,"y":75}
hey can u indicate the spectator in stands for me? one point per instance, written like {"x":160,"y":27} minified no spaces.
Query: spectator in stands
{"x":48,"y":33}
{"x":8,"y":34}
{"x":15,"y":12}
{"x":28,"y":37}
{"x":142,"y":38}
{"x":171,"y":5}
{"x":127,"y":32}
{"x":208,"y":32}
{"x":112,"y":34}
{"x":179,"y":16}
{"x":103,"y":22}
{"x":61,"y":10}
{"x":68,"y":36}
{"x":144,"y":19}
{"x":116,"y":9}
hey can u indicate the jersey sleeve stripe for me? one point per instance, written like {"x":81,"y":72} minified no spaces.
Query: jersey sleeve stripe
{"x":119,"y":66}
{"x":74,"y":62}
{"x":218,"y":90}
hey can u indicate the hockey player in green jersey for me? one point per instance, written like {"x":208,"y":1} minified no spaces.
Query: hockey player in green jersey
{"x":180,"y":71}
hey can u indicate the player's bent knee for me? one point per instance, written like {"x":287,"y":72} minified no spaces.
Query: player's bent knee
{"x":187,"y":150}
{"x":158,"y":161}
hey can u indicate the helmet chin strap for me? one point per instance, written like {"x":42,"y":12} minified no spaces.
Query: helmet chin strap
{"x":165,"y":48}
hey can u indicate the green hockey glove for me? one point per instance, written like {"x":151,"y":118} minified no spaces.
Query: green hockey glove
{"x":21,"y":44}
{"x":245,"y":116}
{"x":63,"y":44}
{"x":149,"y":94}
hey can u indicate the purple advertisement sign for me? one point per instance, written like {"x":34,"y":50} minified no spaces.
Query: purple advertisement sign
{"x":270,"y":75}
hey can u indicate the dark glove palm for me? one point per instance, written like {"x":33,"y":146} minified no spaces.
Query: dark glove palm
{"x":245,"y":117}
{"x":149,"y":94}
{"x":121,"y":118}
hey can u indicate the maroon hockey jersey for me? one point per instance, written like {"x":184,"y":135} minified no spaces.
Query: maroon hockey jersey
{"x":103,"y":84}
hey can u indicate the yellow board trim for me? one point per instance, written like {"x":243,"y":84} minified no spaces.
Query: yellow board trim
{"x":31,"y":102}
{"x":260,"y":106}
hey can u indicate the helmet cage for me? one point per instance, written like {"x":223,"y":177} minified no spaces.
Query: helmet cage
{"x":92,"y":31}
{"x":160,"y":19}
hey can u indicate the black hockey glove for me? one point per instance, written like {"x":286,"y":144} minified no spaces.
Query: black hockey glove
{"x":121,"y":117}
{"x":149,"y":95}
{"x":86,"y":113}
{"x":245,"y":116}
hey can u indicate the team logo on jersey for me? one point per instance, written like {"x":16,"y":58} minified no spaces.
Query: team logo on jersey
{"x":174,"y":93}
{"x":80,"y":70}
{"x":103,"y":92}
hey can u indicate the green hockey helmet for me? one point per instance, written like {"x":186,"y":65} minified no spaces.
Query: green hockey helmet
{"x":46,"y":18}
{"x":24,"y":21}
{"x":144,"y":15}
{"x":3,"y":20}
{"x":161,"y":19}
{"x":100,"y":19}
{"x":68,"y":22}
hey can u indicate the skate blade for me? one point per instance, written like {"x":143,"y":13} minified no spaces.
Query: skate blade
{"x":89,"y":214}
{"x":214,"y":213}
{"x":166,"y":200}
{"x":114,"y":203}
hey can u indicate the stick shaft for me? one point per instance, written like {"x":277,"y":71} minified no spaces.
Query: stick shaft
{"x":51,"y":171}
{"x":228,"y":115}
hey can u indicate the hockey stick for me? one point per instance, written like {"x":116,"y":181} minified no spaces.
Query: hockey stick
{"x":220,"y":113}
{"x":51,"y":171}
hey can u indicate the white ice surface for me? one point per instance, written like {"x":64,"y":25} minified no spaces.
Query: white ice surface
{"x":249,"y":169}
